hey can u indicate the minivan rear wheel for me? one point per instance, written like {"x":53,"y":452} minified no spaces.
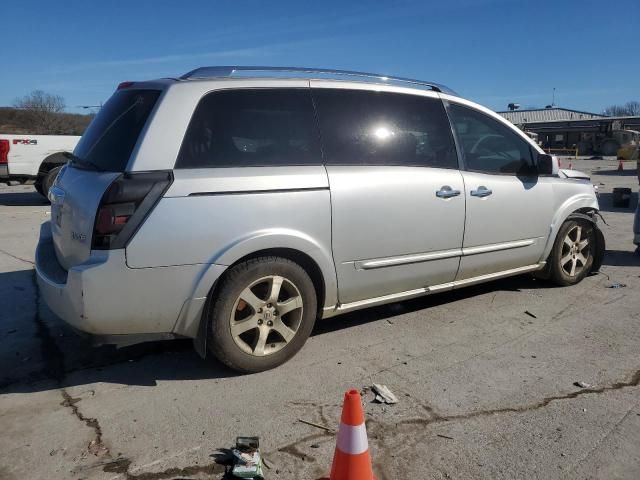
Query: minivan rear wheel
{"x":262,"y":314}
{"x":572,"y":255}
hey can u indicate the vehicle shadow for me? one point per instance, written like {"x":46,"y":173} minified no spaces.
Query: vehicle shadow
{"x":22,"y":199}
{"x":621,"y":258}
{"x":39,"y":352}
{"x":383,"y":312}
{"x":627,"y":172}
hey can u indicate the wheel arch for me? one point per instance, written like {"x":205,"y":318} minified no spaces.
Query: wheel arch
{"x":51,"y":161}
{"x":584,"y":207}
{"x":308,"y":254}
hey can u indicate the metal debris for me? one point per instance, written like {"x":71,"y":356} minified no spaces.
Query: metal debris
{"x":617,"y":285}
{"x":445,"y":436}
{"x":383,"y":394}
{"x":317,"y":425}
{"x":527,"y":312}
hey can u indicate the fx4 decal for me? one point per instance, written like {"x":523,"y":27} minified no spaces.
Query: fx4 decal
{"x":25,"y":141}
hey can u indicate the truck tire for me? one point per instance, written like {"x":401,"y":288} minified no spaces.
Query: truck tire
{"x":262,"y":314}
{"x":609,"y":148}
{"x":38,"y":186}
{"x":48,"y":179}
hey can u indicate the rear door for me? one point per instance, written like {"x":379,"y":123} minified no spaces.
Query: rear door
{"x":99,"y":158}
{"x":397,"y":195}
{"x":509,"y":206}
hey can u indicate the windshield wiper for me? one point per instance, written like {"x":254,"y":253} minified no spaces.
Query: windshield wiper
{"x":82,"y":162}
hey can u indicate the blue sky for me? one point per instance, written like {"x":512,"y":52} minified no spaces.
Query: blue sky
{"x":491,"y":51}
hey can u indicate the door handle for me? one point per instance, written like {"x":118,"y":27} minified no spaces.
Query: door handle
{"x":482,"y":191}
{"x":447,"y":192}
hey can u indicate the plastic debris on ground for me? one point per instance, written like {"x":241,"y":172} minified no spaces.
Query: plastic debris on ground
{"x":617,"y":285}
{"x":383,"y":394}
{"x":247,"y":460}
{"x":583,"y":384}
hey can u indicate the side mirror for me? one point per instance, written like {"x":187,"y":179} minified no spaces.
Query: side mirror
{"x":547,"y":164}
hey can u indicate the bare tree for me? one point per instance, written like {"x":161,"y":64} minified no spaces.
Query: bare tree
{"x":44,"y":111}
{"x":627,"y":110}
{"x":633,"y":108}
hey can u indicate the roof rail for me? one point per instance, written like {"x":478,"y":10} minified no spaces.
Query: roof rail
{"x":298,"y":72}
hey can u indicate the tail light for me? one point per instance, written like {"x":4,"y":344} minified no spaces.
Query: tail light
{"x":125,"y":205}
{"x":4,"y":151}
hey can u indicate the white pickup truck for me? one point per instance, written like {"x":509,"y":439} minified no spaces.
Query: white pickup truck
{"x":34,"y":158}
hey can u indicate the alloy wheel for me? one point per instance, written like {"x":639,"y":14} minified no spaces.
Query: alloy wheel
{"x":266,"y":315}
{"x":575,"y":251}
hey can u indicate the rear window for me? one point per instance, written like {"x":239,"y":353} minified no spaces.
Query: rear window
{"x":112,"y":135}
{"x":240,"y":128}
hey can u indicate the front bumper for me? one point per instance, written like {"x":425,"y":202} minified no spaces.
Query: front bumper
{"x":121,"y":305}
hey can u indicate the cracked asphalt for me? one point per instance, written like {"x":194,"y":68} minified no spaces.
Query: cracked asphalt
{"x":486,"y":391}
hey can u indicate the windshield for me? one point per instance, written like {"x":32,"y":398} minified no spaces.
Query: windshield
{"x":111,"y":137}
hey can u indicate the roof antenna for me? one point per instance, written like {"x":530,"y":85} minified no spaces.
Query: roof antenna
{"x":553,"y":98}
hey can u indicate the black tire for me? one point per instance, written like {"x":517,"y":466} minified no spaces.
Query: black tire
{"x":49,"y":178}
{"x":38,"y":186}
{"x":241,"y":352}
{"x":566,"y":258}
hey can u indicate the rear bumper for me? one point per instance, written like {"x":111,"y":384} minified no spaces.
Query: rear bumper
{"x":120,"y":305}
{"x":4,"y":172}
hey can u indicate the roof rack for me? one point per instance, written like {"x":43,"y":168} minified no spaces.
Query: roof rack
{"x":299,"y":72}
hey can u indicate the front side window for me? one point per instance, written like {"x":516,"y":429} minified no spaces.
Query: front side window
{"x":259,"y":127}
{"x":489,"y":146}
{"x":361,"y":127}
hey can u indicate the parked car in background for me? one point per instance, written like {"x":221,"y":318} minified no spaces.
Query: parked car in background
{"x":236,"y":210}
{"x":34,"y":158}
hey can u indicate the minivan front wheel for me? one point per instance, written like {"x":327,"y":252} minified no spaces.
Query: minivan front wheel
{"x":572,"y":256}
{"x":262,"y":314}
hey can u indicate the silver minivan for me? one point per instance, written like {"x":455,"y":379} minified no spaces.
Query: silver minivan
{"x":237,"y":205}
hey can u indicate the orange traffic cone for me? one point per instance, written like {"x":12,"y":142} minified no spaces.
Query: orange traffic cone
{"x":620,"y":166}
{"x":351,"y":460}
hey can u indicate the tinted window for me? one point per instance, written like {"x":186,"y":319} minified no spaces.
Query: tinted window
{"x":110,"y":138}
{"x":238,"y":128}
{"x":377,"y":128}
{"x":490,"y":146}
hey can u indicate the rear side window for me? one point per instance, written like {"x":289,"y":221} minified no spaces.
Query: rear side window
{"x":378,"y":128}
{"x":110,"y":138}
{"x":490,"y":146}
{"x":237,"y":128}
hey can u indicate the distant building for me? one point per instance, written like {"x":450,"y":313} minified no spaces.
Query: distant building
{"x":520,"y":117}
{"x":565,"y":129}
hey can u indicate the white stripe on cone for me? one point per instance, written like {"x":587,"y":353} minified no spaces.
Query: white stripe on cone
{"x":352,"y":440}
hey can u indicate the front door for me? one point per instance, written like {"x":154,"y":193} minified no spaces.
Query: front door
{"x":397,"y":195}
{"x":509,"y":206}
